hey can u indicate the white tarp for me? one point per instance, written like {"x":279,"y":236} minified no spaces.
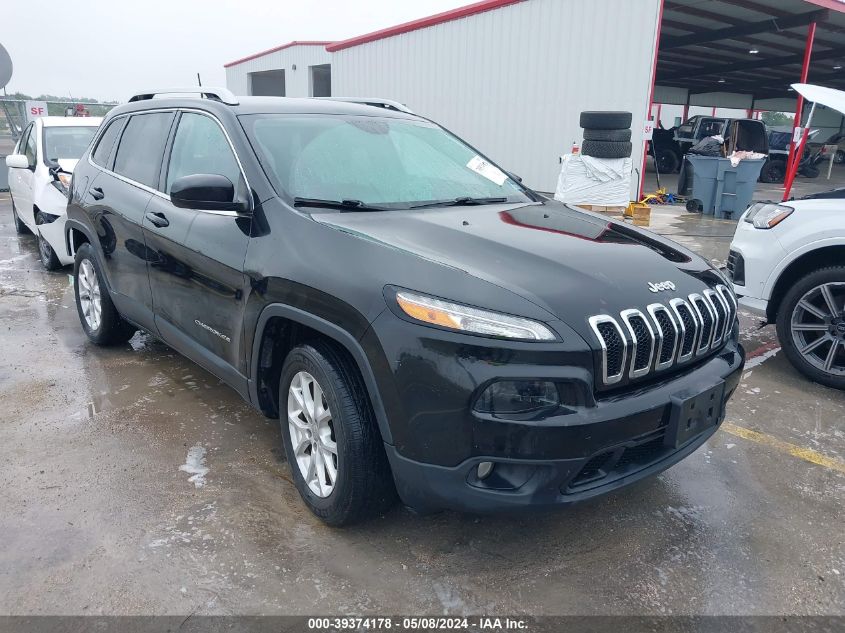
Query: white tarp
{"x":597,"y":181}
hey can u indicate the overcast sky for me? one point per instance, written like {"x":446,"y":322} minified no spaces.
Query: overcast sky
{"x":107,"y":49}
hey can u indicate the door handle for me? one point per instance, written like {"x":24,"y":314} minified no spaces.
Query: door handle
{"x":157,"y":219}
{"x":96,"y":193}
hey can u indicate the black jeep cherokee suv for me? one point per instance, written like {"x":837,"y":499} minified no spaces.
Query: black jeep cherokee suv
{"x":418,"y":320}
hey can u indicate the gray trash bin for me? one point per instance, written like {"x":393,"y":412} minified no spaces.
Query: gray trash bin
{"x":724,"y":190}
{"x":4,"y":174}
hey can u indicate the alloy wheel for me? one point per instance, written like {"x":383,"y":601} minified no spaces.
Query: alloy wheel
{"x":311,"y":429}
{"x":89,"y":294}
{"x":818,"y":327}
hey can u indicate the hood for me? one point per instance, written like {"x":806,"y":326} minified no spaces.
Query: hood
{"x":572,"y":263}
{"x":68,"y":164}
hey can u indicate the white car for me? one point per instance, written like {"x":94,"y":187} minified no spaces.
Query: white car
{"x":39,"y":178}
{"x":787,"y":265}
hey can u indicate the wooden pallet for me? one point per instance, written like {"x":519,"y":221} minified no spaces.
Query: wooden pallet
{"x":603,"y":209}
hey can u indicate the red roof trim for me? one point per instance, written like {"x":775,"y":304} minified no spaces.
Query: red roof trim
{"x":422,"y":23}
{"x":274,"y":50}
{"x":835,"y":5}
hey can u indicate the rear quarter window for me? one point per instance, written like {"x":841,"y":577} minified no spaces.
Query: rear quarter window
{"x":102,"y":151}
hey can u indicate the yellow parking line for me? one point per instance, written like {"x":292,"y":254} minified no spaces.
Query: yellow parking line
{"x":806,"y":454}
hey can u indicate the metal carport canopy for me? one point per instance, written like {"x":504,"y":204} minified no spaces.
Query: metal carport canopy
{"x":705,"y":46}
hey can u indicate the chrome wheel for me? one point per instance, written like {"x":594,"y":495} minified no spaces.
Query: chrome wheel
{"x":89,"y":294}
{"x":818,"y":327}
{"x":312,"y":434}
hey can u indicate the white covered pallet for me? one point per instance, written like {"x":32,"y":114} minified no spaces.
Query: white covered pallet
{"x":594,"y":181}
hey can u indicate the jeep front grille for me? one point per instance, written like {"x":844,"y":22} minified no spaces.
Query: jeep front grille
{"x":640,"y":343}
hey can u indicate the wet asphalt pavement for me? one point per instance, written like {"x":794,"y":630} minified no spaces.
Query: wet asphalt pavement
{"x":96,"y":516}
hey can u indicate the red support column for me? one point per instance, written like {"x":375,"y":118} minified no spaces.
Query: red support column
{"x":638,"y":124}
{"x":794,"y":156}
{"x":685,"y":116}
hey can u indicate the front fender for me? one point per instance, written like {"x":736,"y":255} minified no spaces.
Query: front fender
{"x":792,"y":256}
{"x":334,"y":332}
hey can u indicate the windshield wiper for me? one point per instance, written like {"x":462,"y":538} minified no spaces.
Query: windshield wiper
{"x":460,"y":202}
{"x":343,"y":205}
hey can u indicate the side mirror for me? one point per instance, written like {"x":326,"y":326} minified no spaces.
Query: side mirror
{"x":206,"y":191}
{"x":17,"y":161}
{"x":513,"y":176}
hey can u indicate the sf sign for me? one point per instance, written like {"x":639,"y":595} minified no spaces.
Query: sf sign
{"x":35,"y":109}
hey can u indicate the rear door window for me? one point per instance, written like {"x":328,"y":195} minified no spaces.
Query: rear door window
{"x":141,"y":147}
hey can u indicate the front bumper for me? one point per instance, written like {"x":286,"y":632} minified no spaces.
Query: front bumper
{"x":760,"y":252}
{"x":560,"y":460}
{"x":757,"y":307}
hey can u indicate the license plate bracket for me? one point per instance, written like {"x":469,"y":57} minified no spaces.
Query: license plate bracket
{"x":693,"y":413}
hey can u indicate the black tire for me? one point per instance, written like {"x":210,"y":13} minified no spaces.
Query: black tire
{"x":834,"y":274}
{"x":667,"y":161}
{"x":839,"y":157}
{"x":112,"y":329}
{"x":607,"y":135}
{"x":20,"y":227}
{"x":694,"y":205}
{"x":597,"y":120}
{"x":773,"y":172}
{"x":364,"y":485}
{"x":606,"y":149}
{"x":809,"y":171}
{"x":45,"y":252}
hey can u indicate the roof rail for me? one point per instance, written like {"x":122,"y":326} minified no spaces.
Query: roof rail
{"x":222,"y":95}
{"x":387,"y":104}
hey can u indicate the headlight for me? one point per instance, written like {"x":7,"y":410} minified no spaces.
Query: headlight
{"x":62,"y":181}
{"x":765,"y":215}
{"x":466,"y":319}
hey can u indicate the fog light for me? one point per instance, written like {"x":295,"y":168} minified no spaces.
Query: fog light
{"x":518,"y":396}
{"x":484,"y":469}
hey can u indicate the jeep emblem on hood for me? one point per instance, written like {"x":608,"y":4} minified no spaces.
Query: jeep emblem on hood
{"x":663,"y":285}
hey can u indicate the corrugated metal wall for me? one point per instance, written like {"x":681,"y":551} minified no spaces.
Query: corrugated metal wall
{"x":513,"y":81}
{"x":296,"y":81}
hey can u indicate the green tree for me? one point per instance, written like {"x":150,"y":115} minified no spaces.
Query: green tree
{"x":773,"y":119}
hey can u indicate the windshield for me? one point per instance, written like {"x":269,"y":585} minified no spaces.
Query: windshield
{"x":67,"y":142}
{"x":389,"y":163}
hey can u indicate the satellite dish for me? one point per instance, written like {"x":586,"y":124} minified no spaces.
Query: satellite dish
{"x":5,"y":67}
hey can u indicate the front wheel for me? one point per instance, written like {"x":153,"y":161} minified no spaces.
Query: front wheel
{"x":839,"y":157}
{"x":811,"y":326}
{"x":48,"y":256}
{"x":20,"y":227}
{"x":667,"y":161}
{"x":100,"y":319}
{"x":773,"y":172}
{"x":331,"y":439}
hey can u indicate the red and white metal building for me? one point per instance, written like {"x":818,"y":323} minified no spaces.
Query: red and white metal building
{"x":512,"y":76}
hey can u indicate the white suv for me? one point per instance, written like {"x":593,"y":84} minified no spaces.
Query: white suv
{"x":787,"y":264}
{"x":39,"y":177}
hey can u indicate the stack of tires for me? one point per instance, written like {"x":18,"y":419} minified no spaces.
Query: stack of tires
{"x":606,"y":134}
